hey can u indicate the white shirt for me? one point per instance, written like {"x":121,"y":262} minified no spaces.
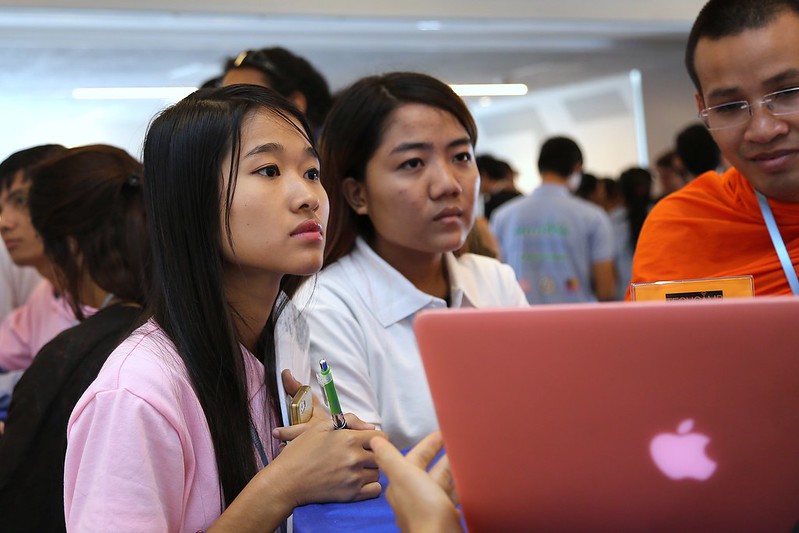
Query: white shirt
{"x":361,"y":317}
{"x":552,"y":239}
{"x":291,"y":350}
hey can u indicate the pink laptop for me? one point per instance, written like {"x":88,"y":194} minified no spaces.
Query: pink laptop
{"x":620,"y":417}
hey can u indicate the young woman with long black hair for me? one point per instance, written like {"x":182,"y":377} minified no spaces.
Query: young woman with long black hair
{"x":178,"y":431}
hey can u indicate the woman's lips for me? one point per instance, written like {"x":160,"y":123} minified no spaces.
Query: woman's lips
{"x":12,"y":244}
{"x":308,"y":230}
{"x":449,"y":214}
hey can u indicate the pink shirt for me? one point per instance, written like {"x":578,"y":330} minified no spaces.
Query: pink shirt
{"x":140,"y":456}
{"x":28,"y":328}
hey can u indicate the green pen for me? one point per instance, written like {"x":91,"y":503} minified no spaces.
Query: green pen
{"x":326,"y":380}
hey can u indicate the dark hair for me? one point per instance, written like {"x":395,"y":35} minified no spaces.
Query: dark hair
{"x":183,"y":163}
{"x":86,"y":204}
{"x":636,"y":187}
{"x":588,"y":186}
{"x":492,"y":168}
{"x":354,"y":130}
{"x":697,"y":149}
{"x":666,"y":159}
{"x":288,"y":73}
{"x":24,"y":159}
{"x":725,"y":18}
{"x":559,"y":155}
{"x":611,"y":188}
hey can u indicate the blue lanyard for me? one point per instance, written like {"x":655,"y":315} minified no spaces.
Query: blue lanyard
{"x":256,"y":440}
{"x":779,"y":244}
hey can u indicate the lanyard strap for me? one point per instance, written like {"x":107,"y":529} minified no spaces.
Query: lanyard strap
{"x":779,"y":244}
{"x":258,"y":444}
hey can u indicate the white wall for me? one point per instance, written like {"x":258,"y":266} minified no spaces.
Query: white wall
{"x":37,"y":120}
{"x":607,"y":142}
{"x":627,"y":10}
{"x":669,"y":104}
{"x":602,"y":116}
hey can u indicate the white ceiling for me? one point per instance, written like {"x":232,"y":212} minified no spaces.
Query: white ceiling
{"x":48,"y":48}
{"x":183,"y":43}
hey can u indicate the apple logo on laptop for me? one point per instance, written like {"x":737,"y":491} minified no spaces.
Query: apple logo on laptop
{"x":682,"y":455}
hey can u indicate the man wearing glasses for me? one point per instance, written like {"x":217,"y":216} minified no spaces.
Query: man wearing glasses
{"x":743,"y":57}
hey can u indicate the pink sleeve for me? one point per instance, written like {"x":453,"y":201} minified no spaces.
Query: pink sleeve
{"x":28,"y":328}
{"x":124,"y":468}
{"x":15,"y":339}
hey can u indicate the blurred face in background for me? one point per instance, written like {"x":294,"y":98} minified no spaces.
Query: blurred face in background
{"x":669,"y":179}
{"x":21,"y":239}
{"x":245,"y":75}
{"x":253,"y":76}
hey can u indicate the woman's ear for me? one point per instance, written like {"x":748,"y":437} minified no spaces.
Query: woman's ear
{"x":355,"y":194}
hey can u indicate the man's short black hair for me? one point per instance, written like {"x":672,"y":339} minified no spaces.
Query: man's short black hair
{"x":492,"y":168}
{"x":724,"y":18}
{"x":559,"y":155}
{"x":697,"y":149}
{"x":588,"y":186}
{"x":24,"y":159}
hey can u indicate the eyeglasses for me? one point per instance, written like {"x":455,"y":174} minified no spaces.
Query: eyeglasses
{"x":732,"y":114}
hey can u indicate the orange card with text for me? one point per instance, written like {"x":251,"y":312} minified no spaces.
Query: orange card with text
{"x":694,"y":289}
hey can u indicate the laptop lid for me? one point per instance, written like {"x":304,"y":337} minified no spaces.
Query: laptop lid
{"x":654,"y":416}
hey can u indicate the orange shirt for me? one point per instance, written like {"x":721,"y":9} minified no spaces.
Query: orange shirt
{"x":712,"y":228}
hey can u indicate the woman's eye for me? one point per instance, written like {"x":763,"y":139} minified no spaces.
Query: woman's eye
{"x":270,"y":171}
{"x":312,"y":174}
{"x":412,"y":163}
{"x":463,"y":157}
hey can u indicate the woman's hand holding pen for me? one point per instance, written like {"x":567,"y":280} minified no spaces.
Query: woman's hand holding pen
{"x":322,"y":464}
{"x":320,"y":413}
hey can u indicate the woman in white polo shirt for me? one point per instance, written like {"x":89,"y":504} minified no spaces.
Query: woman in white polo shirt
{"x":397,"y":155}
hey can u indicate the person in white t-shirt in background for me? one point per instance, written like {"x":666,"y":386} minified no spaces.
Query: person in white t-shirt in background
{"x":560,"y":246}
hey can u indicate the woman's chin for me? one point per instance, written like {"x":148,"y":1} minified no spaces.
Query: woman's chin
{"x":309,"y":269}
